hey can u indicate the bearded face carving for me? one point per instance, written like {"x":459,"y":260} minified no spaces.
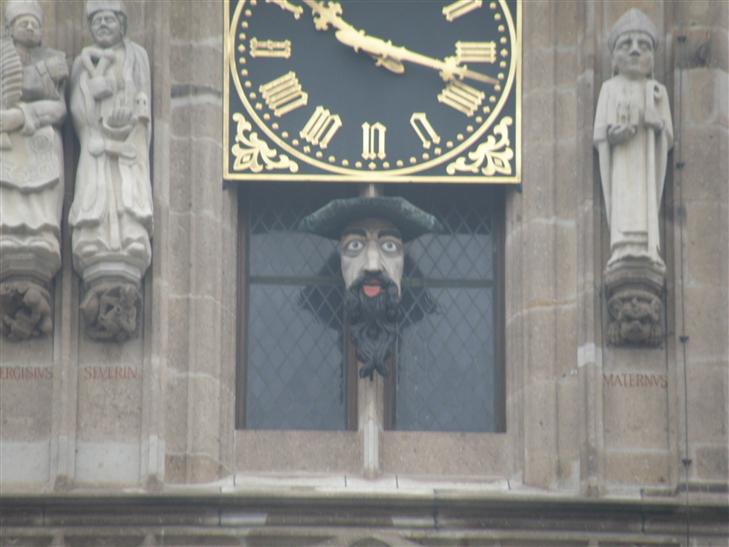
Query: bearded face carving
{"x":372,"y":264}
{"x":372,"y":231}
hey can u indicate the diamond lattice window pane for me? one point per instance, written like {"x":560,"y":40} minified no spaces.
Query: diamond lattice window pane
{"x":295,"y":362}
{"x":445,"y":374}
{"x":295,"y":372}
{"x":447,"y":377}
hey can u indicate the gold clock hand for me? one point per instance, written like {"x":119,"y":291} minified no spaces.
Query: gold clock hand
{"x":329,"y":15}
{"x":285,"y":5}
{"x":448,"y":68}
{"x":384,"y":52}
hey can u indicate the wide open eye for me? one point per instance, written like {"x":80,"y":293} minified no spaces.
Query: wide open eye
{"x":354,"y":246}
{"x":390,"y":246}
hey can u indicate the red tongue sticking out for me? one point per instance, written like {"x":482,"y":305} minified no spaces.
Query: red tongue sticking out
{"x":371,"y":290}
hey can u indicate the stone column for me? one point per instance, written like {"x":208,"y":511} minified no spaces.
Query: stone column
{"x":541,"y":253}
{"x":701,"y":224}
{"x":200,"y":256}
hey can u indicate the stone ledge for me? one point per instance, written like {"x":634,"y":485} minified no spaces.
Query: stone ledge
{"x":294,"y":516}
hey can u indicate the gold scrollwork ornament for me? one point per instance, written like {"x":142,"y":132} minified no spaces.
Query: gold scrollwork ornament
{"x":496,"y":153}
{"x":249,"y":149}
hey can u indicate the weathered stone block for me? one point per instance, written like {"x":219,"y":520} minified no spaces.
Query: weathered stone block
{"x":179,"y":233}
{"x":637,"y":468}
{"x":538,"y":76}
{"x":176,"y":414}
{"x":712,"y":462}
{"x":540,"y":429}
{"x":565,"y":332}
{"x":541,"y":334}
{"x":566,"y":121}
{"x":565,"y":261}
{"x":706,"y":155}
{"x":202,"y":468}
{"x":197,"y":21}
{"x":702,"y":88}
{"x":538,"y":30}
{"x":635,"y":409}
{"x":616,"y":8}
{"x":706,"y":255}
{"x":647,"y":360}
{"x":205,"y":327}
{"x":196,"y":69}
{"x":570,"y":412}
{"x":108,"y":461}
{"x":706,"y":322}
{"x":707,"y":392}
{"x":568,"y":23}
{"x":300,"y":451}
{"x":110,"y":400}
{"x":204,"y":421}
{"x":206,"y":176}
{"x":181,"y":158}
{"x":23,"y":462}
{"x":700,"y":12}
{"x":455,"y":454}
{"x":179,"y":313}
{"x":204,"y":118}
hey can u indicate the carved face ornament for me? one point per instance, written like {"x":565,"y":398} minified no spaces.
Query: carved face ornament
{"x":372,"y":259}
{"x":371,"y":246}
{"x":26,"y":30}
{"x":106,"y":28}
{"x":633,"y":55}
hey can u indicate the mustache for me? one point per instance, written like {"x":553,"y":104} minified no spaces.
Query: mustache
{"x":373,"y":322}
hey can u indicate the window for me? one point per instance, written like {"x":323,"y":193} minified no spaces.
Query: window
{"x":296,"y":365}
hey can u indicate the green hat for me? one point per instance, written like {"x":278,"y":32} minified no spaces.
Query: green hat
{"x":330,"y":220}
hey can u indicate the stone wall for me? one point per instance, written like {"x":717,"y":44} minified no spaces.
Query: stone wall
{"x":584,"y":419}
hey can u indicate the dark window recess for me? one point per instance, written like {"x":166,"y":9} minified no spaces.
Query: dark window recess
{"x":449,"y":360}
{"x":294,"y":372}
{"x":296,"y":369}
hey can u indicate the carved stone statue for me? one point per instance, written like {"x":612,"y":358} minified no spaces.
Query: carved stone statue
{"x":32,"y":107}
{"x":112,"y":212}
{"x":371,"y":233}
{"x":633,"y":135}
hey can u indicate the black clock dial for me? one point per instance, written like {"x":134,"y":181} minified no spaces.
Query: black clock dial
{"x":387,"y":87}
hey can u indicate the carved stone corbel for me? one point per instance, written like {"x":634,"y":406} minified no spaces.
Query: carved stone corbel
{"x":635,"y":305}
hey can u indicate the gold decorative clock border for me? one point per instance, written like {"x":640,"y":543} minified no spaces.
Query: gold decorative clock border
{"x":266,"y":162}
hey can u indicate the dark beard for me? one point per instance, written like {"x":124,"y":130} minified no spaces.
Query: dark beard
{"x":373,"y":322}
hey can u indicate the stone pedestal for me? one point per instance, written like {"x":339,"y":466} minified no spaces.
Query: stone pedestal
{"x":25,"y":282}
{"x":26,"y":272}
{"x":634,"y":291}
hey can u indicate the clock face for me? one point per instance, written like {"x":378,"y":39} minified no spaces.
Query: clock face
{"x":385,"y":91}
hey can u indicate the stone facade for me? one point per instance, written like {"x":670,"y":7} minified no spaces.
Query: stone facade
{"x":135,"y":443}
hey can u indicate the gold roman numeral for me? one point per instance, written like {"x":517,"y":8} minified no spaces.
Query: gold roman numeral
{"x":373,"y":141}
{"x":476,"y":52}
{"x":427,"y":135}
{"x":321,"y":127}
{"x":270,"y":48}
{"x":461,"y":7}
{"x":284,"y":94}
{"x":462,"y":97}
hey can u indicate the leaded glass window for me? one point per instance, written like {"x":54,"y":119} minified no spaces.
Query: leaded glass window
{"x":297,"y":368}
{"x":449,"y":371}
{"x":295,"y":372}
